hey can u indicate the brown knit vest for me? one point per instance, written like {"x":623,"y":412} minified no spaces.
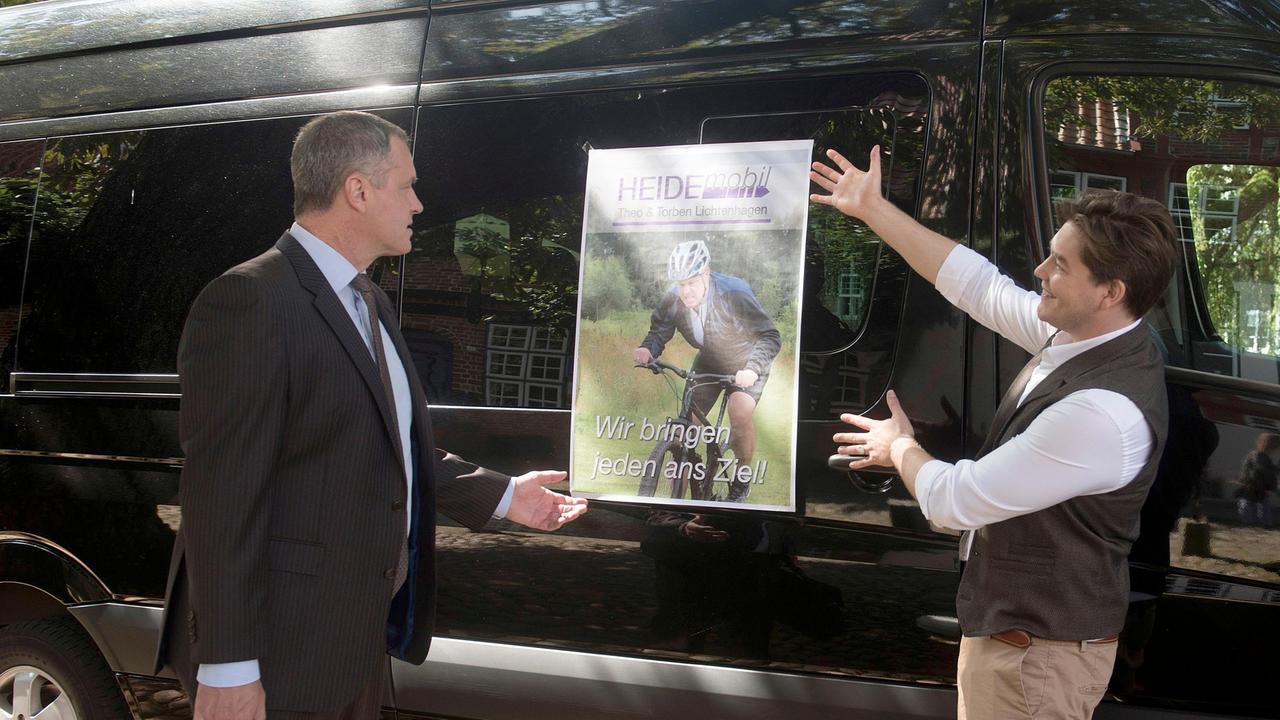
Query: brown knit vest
{"x":1061,"y":573}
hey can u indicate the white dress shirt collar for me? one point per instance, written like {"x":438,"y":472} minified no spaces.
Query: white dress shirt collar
{"x":1060,"y":353}
{"x":336,"y":269}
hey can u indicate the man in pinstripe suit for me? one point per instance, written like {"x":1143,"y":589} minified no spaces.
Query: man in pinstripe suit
{"x":311,"y":478}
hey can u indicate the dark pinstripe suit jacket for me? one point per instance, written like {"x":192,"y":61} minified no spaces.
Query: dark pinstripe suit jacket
{"x":292,"y":494}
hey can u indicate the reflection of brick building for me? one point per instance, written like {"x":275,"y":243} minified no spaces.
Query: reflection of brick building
{"x":17,"y":158}
{"x":9,"y":317}
{"x":472,"y":348}
{"x":448,"y":348}
{"x":1101,"y":152}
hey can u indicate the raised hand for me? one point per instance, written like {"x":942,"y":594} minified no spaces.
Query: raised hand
{"x":853,"y":192}
{"x":541,"y":508}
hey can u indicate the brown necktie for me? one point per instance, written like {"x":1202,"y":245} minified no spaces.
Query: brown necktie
{"x":364,"y":286}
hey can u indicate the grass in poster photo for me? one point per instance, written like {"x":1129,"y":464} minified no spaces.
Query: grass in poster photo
{"x":624,"y":278}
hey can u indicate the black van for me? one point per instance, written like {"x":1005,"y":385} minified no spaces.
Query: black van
{"x":143,"y":150}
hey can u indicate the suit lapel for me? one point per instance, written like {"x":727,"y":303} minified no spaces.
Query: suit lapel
{"x":339,"y":321}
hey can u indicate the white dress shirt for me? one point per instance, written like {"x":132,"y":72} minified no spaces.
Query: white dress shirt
{"x":339,"y":272}
{"x":1090,"y":442}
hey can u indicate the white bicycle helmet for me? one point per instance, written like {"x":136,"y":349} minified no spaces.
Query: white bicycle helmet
{"x":687,"y":259}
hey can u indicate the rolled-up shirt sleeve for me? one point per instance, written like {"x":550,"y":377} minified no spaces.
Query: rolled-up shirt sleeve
{"x":971,"y":283}
{"x":1090,"y":442}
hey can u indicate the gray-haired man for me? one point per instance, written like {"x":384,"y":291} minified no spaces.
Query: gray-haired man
{"x":311,"y":478}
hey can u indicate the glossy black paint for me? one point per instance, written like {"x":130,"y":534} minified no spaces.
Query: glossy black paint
{"x":32,"y":565}
{"x":35,"y":31}
{"x":481,"y":40}
{"x":105,"y":487}
{"x":216,"y":69}
{"x":1150,"y":18}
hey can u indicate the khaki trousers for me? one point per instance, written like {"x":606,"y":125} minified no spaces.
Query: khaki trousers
{"x":1047,"y":680}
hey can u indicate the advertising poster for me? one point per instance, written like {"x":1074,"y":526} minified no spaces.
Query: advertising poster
{"x":685,"y":388}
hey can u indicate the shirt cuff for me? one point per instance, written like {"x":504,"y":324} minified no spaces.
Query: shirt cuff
{"x":505,"y":504}
{"x":925,"y":478}
{"x":232,"y":674}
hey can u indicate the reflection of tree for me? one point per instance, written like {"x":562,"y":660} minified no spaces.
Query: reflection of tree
{"x":17,"y":195}
{"x":115,"y":225}
{"x":542,"y":281}
{"x":75,"y":171}
{"x":1251,"y":256}
{"x":481,"y":244}
{"x":1199,"y":110}
{"x":544,"y":271}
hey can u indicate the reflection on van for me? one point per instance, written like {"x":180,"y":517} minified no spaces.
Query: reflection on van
{"x":143,"y":150}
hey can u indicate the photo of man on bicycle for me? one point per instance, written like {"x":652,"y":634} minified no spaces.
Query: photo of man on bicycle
{"x":721,"y":317}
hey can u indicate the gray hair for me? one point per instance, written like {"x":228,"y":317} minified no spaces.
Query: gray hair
{"x":331,"y":147}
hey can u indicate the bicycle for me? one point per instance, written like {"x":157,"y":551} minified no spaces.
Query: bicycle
{"x":680,"y":437}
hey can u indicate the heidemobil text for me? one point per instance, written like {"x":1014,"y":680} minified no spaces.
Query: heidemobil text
{"x":750,"y":182}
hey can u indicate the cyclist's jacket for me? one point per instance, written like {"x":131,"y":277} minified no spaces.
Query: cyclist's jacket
{"x":737,"y":333}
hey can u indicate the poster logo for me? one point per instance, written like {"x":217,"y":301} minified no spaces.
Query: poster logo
{"x":752,"y":182}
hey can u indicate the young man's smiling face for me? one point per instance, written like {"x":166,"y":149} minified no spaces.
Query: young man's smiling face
{"x":1070,"y":297}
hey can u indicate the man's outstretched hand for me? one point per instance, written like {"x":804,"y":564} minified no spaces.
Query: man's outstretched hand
{"x":853,"y":192}
{"x":541,"y":508}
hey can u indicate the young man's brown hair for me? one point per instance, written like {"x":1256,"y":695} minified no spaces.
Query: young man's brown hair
{"x":1127,"y":238}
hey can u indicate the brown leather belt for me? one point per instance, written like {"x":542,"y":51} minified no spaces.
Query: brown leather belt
{"x":1022,"y":638}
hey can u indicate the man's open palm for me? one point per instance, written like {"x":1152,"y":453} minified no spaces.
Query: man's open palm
{"x":541,"y":508}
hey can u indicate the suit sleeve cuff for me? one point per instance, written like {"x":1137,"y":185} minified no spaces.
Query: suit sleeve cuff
{"x":505,"y":503}
{"x":230,"y":674}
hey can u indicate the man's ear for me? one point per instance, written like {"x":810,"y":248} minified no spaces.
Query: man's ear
{"x":355,"y":191}
{"x":1116,"y":293}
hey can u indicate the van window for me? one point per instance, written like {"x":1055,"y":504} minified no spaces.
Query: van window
{"x":19,"y":174}
{"x":1209,"y":150}
{"x":1228,"y":212}
{"x":130,"y":226}
{"x":490,"y":288}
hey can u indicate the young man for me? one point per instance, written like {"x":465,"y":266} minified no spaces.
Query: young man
{"x":720,"y":316}
{"x":1051,"y":503}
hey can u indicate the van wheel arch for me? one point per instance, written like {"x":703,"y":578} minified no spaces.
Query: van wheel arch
{"x":52,"y":661}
